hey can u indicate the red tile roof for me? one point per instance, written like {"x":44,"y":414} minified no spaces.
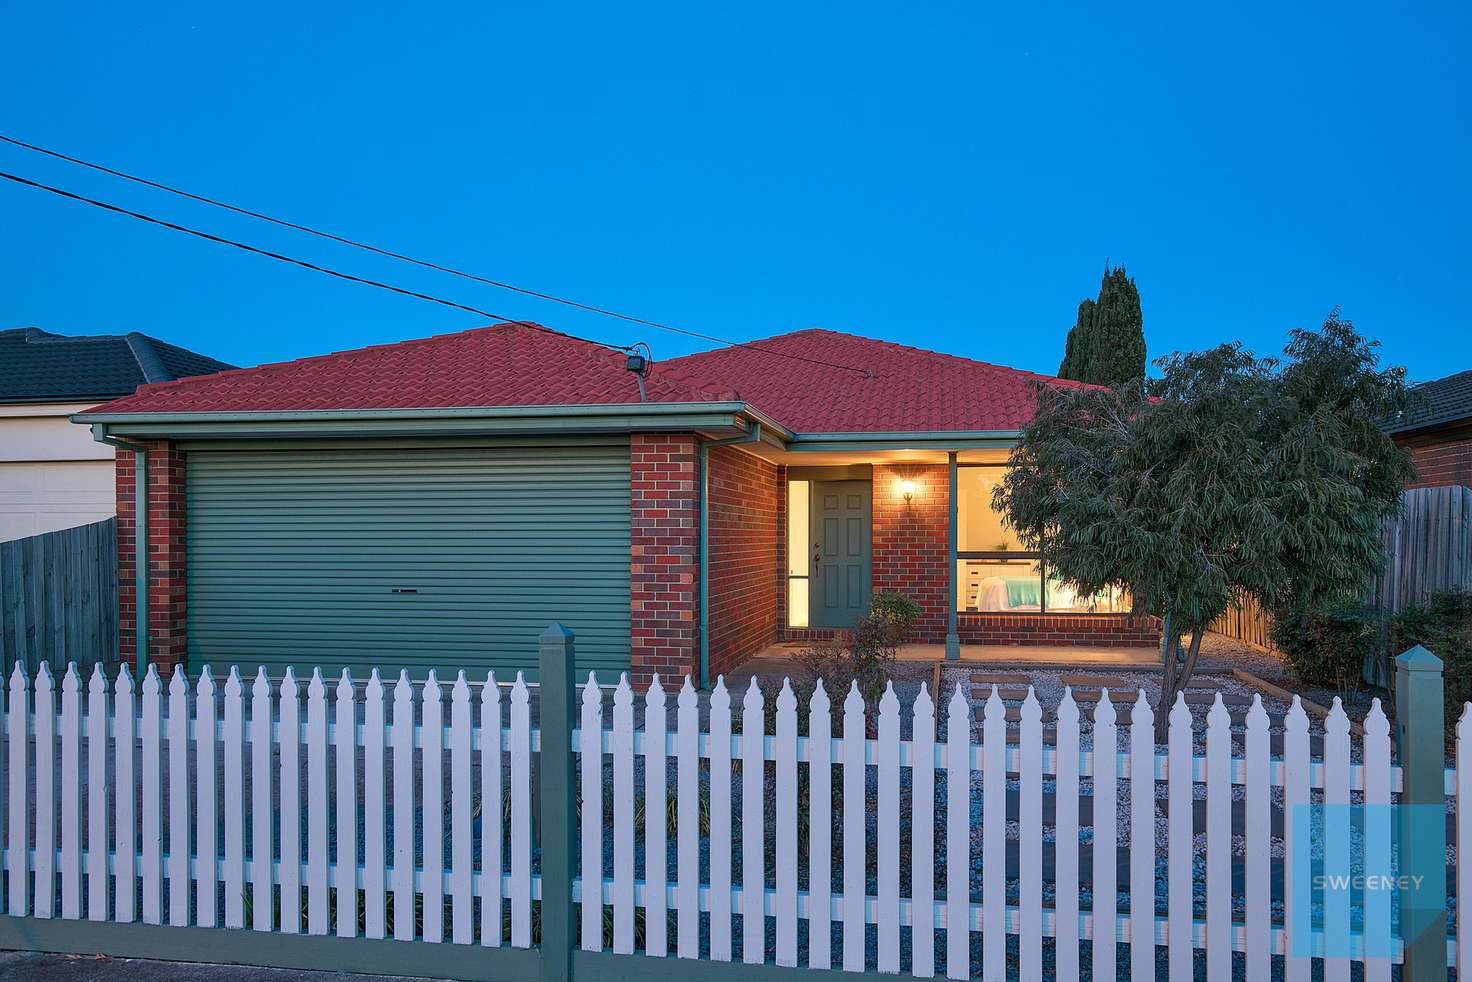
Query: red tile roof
{"x":500,"y":365}
{"x":882,"y":388}
{"x":899,"y":388}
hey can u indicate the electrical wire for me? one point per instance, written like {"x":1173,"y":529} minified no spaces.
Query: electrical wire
{"x":390,"y":254}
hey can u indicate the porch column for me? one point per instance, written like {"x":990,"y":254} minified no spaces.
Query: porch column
{"x":953,"y":640}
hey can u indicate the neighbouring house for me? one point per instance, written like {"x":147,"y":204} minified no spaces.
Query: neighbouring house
{"x":437,"y":503}
{"x":1438,"y":432}
{"x":53,"y":475}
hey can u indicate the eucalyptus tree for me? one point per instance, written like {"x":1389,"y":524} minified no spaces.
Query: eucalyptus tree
{"x":1227,"y":475}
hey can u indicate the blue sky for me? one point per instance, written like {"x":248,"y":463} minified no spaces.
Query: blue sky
{"x":952,"y":176}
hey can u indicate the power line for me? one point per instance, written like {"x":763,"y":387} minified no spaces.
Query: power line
{"x":388,"y":253}
{"x":271,"y":255}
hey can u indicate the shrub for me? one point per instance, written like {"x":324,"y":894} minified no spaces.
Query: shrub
{"x":1329,"y":647}
{"x":900,"y":610}
{"x":866,"y":655}
{"x":1443,"y":625}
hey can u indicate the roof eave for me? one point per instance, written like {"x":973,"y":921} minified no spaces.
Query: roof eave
{"x":724,"y":418}
{"x":905,"y":440}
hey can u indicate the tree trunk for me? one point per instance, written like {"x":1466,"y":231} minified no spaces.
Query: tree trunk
{"x":1174,"y":677}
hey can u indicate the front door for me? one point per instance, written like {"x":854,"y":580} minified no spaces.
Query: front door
{"x":839,"y":587}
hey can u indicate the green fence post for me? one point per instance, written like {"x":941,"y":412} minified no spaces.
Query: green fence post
{"x":1421,"y":749}
{"x":555,"y":701}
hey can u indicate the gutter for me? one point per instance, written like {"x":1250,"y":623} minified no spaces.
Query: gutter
{"x":140,"y":545}
{"x":703,"y":478}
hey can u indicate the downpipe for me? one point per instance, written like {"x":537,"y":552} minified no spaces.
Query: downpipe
{"x":754,"y":435}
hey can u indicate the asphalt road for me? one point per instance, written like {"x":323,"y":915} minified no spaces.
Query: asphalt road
{"x":29,"y":965}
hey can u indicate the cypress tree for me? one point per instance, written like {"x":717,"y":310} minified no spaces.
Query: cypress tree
{"x":1077,"y":340}
{"x":1107,"y":343}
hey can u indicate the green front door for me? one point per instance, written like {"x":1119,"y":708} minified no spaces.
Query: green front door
{"x":841,"y":549}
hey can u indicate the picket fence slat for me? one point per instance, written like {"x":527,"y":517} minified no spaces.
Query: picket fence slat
{"x":785,"y":752}
{"x":1464,"y":840}
{"x":317,"y":897}
{"x":1142,"y":841}
{"x":202,"y":843}
{"x":99,"y":783}
{"x":687,"y":822}
{"x":1336,"y":831}
{"x":153,"y":827}
{"x":206,"y":806}
{"x":289,"y":715}
{"x":262,"y":816}
{"x":1375,"y":747}
{"x":753,"y":827}
{"x":820,"y":830}
{"x":71,"y":794}
{"x":720,"y":823}
{"x":346,"y":747}
{"x":403,"y":809}
{"x":958,"y":836}
{"x":1258,"y":828}
{"x":1218,"y":843}
{"x":1030,"y":839}
{"x":432,"y":809}
{"x":462,"y":804}
{"x":656,"y":859}
{"x":591,"y":815}
{"x":855,"y":846}
{"x":922,"y":832}
{"x":177,"y":788}
{"x":492,"y":832}
{"x":623,"y":819}
{"x":1296,"y":911}
{"x":375,"y":846}
{"x":125,"y":732}
{"x":994,"y":837}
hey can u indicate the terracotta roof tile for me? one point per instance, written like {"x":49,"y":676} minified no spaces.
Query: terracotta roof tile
{"x":499,"y":365}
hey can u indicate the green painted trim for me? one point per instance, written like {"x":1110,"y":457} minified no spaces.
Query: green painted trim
{"x":556,"y":707}
{"x":953,"y":637}
{"x":238,"y":946}
{"x":570,"y":440}
{"x":448,"y":426}
{"x":861,"y":442}
{"x":835,"y":472}
{"x":1420,"y":734}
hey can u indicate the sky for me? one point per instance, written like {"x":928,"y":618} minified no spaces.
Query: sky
{"x":952,"y":176}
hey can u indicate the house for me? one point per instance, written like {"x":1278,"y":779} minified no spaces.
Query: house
{"x":52,"y":474}
{"x":439,"y":502}
{"x":1438,"y":432}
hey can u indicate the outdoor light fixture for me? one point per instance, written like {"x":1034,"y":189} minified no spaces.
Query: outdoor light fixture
{"x":907,"y":488}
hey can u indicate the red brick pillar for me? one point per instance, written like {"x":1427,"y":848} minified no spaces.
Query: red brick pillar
{"x":166,"y":555}
{"x":912,"y":550}
{"x":664,"y":594}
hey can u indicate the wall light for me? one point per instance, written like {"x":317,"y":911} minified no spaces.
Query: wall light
{"x":907,"y":488}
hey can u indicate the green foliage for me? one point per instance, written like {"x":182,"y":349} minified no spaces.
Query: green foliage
{"x":1329,"y":647}
{"x":1443,"y":626}
{"x":1107,"y":343}
{"x":899,"y":609}
{"x":1228,"y":472}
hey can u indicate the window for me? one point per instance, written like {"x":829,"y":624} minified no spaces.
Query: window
{"x":994,"y":573}
{"x":798,"y":560}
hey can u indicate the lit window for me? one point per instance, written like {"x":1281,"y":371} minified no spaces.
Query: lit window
{"x":798,"y":560}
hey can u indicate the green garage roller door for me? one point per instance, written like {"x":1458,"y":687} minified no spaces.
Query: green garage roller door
{"x":443,"y":558}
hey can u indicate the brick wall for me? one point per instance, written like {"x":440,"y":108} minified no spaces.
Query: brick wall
{"x":1114,"y":630}
{"x":745,"y":556}
{"x":663,"y":562}
{"x":1441,"y":459}
{"x":912,"y":540}
{"x":167,"y":602}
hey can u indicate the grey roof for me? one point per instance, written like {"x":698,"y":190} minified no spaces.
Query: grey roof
{"x":1439,"y":402}
{"x":37,"y":366}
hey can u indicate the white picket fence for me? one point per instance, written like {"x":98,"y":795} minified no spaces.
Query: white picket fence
{"x":180,"y":809}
